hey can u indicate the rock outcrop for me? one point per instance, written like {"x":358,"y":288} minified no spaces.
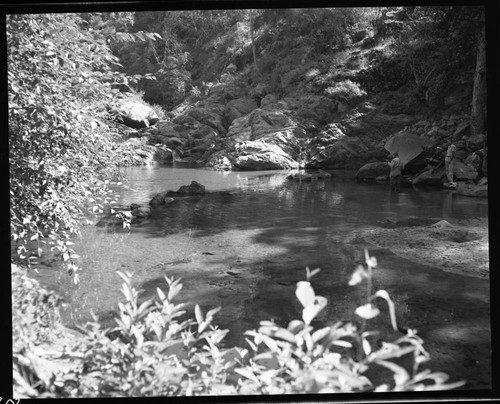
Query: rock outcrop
{"x":136,"y":114}
{"x":260,"y":155}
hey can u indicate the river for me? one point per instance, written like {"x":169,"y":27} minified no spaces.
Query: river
{"x":245,"y":250}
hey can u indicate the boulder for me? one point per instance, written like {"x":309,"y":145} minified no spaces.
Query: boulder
{"x":136,"y":114}
{"x":258,"y":123}
{"x":373,"y":170}
{"x":476,"y":142}
{"x":163,"y":155}
{"x":141,"y":212}
{"x":171,"y":142}
{"x":238,"y":108}
{"x":195,"y":188}
{"x":475,"y":161}
{"x":462,"y":130}
{"x":159,"y":199}
{"x":259,"y":155}
{"x":462,"y":171}
{"x":467,"y":189}
{"x":309,"y":176}
{"x":219,"y":162}
{"x":483,"y":181}
{"x":269,"y":99}
{"x":430,"y":177}
{"x":484,"y":168}
{"x":349,"y":152}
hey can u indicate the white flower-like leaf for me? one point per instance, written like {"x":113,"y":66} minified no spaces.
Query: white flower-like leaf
{"x":367,"y":311}
{"x":358,"y":275}
{"x":311,"y":311}
{"x":305,"y":293}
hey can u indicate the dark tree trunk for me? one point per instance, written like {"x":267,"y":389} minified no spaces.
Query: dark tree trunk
{"x":252,"y":39}
{"x":478,"y":112}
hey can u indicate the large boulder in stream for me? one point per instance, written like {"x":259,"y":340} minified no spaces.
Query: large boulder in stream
{"x":433,"y":176}
{"x":309,"y":176}
{"x":161,"y":199}
{"x":371,"y":171}
{"x":195,"y":188}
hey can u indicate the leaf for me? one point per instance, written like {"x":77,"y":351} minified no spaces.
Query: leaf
{"x":342,"y":343}
{"x":401,"y":376}
{"x":367,"y":311}
{"x":174,"y":289}
{"x":212,"y":312}
{"x":311,"y":311}
{"x":392,"y":309}
{"x":160,"y":294}
{"x":247,"y":372}
{"x":126,"y":277}
{"x":305,"y":293}
{"x":358,"y":275}
{"x":252,"y":345}
{"x":366,"y":346}
{"x":199,"y":314}
{"x":295,"y":326}
{"x":320,"y":334}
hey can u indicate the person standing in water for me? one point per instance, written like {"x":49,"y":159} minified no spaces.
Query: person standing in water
{"x":396,"y":166}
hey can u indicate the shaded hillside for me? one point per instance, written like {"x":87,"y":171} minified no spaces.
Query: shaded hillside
{"x":325,"y":89}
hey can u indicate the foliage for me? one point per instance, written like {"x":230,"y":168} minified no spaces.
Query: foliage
{"x":62,"y":148}
{"x":437,"y":46}
{"x":35,"y":314}
{"x":169,"y":58}
{"x":345,"y":90}
{"x":156,"y":350}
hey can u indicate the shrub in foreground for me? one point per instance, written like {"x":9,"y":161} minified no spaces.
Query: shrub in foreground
{"x":155,"y":350}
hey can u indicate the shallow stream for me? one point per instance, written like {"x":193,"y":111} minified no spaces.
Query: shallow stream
{"x":245,"y":250}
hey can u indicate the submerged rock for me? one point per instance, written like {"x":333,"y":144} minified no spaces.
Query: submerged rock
{"x":161,"y":199}
{"x":195,"y":188}
{"x":479,"y":191}
{"x":141,"y":212}
{"x":308,"y":176}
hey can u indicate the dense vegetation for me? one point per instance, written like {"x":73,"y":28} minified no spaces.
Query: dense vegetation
{"x":67,"y":72}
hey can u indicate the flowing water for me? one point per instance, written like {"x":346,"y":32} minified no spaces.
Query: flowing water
{"x":245,"y":249}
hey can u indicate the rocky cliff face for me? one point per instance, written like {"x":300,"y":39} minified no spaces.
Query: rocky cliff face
{"x":249,"y":122}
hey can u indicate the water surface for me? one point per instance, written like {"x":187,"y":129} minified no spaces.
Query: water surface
{"x":245,"y":250}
